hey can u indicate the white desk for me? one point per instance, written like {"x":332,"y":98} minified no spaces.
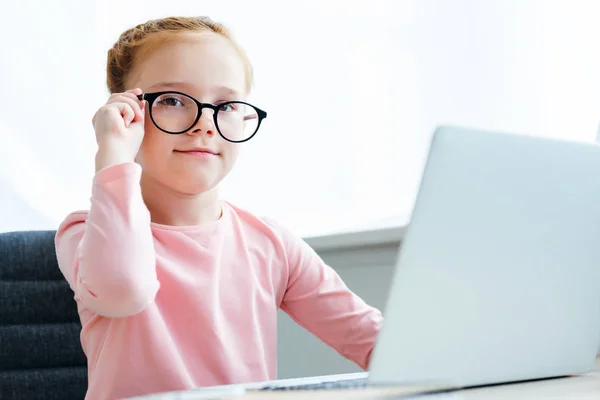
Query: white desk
{"x":578,"y":387}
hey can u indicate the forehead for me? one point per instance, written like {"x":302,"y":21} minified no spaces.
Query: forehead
{"x":202,"y":61}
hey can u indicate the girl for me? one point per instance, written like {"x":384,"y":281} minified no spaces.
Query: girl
{"x":175,"y":288}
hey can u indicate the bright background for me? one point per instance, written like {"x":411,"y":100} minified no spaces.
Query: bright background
{"x":353,"y":90}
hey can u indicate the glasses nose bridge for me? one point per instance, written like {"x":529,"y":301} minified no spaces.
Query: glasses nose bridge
{"x":202,"y":106}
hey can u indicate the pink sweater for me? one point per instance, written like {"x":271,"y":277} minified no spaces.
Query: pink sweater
{"x":170,"y":308}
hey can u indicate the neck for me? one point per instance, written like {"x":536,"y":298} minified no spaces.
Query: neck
{"x":168,"y":207}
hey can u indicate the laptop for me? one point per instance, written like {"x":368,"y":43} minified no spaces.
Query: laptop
{"x":498,"y":276}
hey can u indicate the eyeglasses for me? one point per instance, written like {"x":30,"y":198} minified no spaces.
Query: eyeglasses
{"x":176,"y":113}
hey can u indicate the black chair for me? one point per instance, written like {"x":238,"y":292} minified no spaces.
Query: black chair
{"x":40,"y":350}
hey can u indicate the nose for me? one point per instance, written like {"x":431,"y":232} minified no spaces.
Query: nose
{"x":205,"y":124}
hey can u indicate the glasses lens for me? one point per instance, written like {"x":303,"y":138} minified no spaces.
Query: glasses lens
{"x":237,"y":121}
{"x":173,"y":112}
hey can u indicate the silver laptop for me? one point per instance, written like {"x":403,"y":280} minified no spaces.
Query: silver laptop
{"x":498,"y":277}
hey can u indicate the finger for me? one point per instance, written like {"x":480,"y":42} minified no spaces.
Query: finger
{"x":126,"y":111}
{"x":134,"y":103}
{"x":96,"y":116}
{"x":137,"y":92}
{"x":130,"y":95}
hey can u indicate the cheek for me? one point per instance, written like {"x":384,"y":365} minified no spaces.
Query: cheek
{"x":233,"y":152}
{"x":155,"y":144}
{"x":151,"y":133}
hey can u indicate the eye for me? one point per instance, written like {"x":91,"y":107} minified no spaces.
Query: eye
{"x":169,"y":102}
{"x":172,"y":100}
{"x":229,"y":107}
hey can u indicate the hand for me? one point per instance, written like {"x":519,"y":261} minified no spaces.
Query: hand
{"x":119,"y":126}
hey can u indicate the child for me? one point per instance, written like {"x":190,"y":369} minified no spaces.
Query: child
{"x":175,"y":288}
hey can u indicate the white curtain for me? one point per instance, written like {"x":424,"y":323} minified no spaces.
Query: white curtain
{"x":353,"y":90}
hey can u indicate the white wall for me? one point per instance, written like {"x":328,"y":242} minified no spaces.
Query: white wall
{"x":353,"y":92}
{"x":17,"y":213}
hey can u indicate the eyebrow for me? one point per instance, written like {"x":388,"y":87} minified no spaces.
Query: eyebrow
{"x":183,"y":85}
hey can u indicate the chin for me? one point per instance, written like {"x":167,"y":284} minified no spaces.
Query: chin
{"x":196,"y":186}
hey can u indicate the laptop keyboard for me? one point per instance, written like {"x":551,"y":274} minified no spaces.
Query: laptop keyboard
{"x":341,"y":384}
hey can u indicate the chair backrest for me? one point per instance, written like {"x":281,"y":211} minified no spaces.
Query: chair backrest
{"x":40,"y":349}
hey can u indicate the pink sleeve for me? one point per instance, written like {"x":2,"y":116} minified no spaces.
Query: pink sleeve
{"x":108,"y":258}
{"x":318,"y":300}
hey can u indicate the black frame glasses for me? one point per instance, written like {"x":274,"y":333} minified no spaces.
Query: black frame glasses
{"x":151,"y":98}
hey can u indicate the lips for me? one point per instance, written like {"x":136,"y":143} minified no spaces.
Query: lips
{"x":199,"y":151}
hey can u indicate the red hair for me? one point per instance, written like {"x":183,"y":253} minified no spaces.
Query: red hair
{"x":135,"y":44}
